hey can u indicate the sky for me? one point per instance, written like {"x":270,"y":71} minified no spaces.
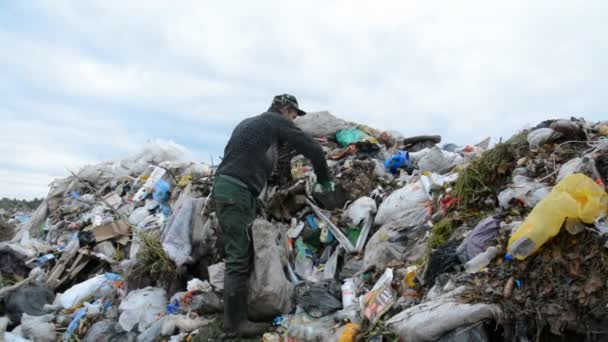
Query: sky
{"x":88,"y":81}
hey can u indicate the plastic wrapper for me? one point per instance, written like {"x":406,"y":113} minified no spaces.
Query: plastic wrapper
{"x":380,"y":299}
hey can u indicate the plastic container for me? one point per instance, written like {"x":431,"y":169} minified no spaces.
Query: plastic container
{"x":576,"y":196}
{"x":348,"y":292}
{"x":481,"y":260}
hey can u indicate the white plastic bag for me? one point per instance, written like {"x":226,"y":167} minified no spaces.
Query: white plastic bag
{"x":585,"y":165}
{"x":216,"y":275}
{"x":385,"y":245}
{"x":436,"y":181}
{"x":12,"y":337}
{"x":409,"y":205}
{"x":321,"y":124}
{"x":431,"y":320}
{"x":541,"y":136}
{"x":526,"y":189}
{"x":361,"y":209}
{"x":177,"y":236}
{"x":80,"y":292}
{"x":138,"y":215}
{"x":38,"y":328}
{"x":155,"y":151}
{"x":196,"y":284}
{"x":142,"y":307}
{"x":437,"y":160}
{"x":98,"y":174}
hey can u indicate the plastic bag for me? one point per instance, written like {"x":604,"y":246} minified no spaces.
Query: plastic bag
{"x":409,"y":205}
{"x":138,"y":215}
{"x":434,"y":181}
{"x":524,"y":189}
{"x":149,"y":186}
{"x":350,"y":136}
{"x":387,"y":244}
{"x":432,"y":319}
{"x":270,"y":292}
{"x":183,"y":323}
{"x":216,"y":275}
{"x":12,"y":337}
{"x":577,"y":196}
{"x":304,"y":264}
{"x":38,"y":328}
{"x":474,"y":333}
{"x":153,"y":151}
{"x":361,"y":209}
{"x":177,"y":240}
{"x":28,"y":299}
{"x":331,"y":266}
{"x":585,"y":165}
{"x":380,"y":299}
{"x":142,"y":307}
{"x":397,"y":161}
{"x":542,"y":136}
{"x":91,"y":287}
{"x":439,"y":161}
{"x":98,"y":174}
{"x":303,"y":327}
{"x":319,"y":299}
{"x":482,"y":236}
{"x":106,"y":331}
{"x":153,"y":332}
{"x":321,"y":124}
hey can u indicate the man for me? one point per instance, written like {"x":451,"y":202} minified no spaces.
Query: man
{"x":249,"y":159}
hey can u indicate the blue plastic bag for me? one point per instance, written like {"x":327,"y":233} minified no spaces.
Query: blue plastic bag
{"x":397,"y":161}
{"x":161,"y":196}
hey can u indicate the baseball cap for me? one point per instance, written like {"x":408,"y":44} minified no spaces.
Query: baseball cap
{"x":287,"y":99}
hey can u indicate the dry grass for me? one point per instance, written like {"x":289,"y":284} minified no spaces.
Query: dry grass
{"x":485,"y":176}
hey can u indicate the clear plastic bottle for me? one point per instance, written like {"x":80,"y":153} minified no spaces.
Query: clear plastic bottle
{"x":481,"y":260}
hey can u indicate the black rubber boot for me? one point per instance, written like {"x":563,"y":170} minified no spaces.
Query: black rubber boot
{"x":235,"y":309}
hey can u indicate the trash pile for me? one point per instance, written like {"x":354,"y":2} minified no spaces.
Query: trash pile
{"x":421,"y":242}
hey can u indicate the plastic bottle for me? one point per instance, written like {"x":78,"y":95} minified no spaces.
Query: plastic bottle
{"x":576,"y":196}
{"x":348,"y":293}
{"x":481,"y":260}
{"x":350,"y":333}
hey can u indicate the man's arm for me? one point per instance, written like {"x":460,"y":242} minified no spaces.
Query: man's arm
{"x":305,"y":145}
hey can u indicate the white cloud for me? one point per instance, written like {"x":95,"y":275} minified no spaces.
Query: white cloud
{"x":120,"y":73}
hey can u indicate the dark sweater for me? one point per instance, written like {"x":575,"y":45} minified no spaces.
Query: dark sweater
{"x":252,"y":151}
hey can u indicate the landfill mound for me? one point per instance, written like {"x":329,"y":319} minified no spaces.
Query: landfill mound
{"x":419,"y":242}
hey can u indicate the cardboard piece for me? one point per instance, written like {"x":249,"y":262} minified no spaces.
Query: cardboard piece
{"x":111,"y":230}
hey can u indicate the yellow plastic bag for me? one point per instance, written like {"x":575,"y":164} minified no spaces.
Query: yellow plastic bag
{"x":576,"y":196}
